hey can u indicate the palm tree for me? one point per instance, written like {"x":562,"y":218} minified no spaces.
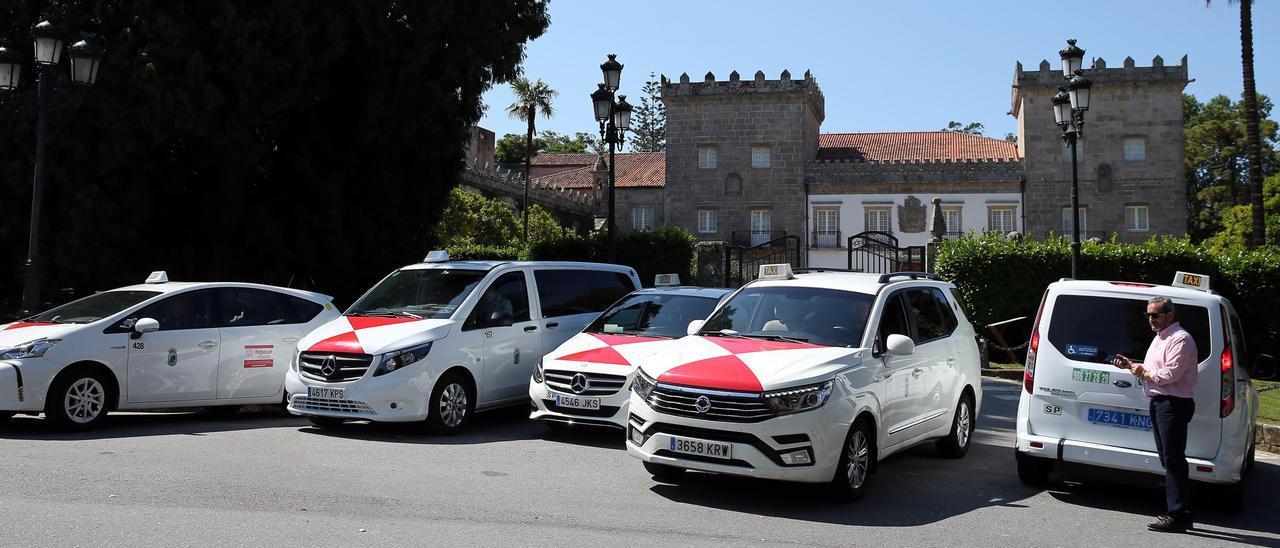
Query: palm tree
{"x":1253,"y":145}
{"x":531,"y":98}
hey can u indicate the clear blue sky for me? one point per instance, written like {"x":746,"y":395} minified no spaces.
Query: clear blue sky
{"x":883,"y":66}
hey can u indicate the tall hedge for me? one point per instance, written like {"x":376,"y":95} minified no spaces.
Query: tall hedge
{"x":1001,"y":278}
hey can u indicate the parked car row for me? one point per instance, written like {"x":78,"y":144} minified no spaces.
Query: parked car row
{"x":813,"y":375}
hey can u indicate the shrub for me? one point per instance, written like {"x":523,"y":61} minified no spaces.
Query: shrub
{"x":475,"y":252}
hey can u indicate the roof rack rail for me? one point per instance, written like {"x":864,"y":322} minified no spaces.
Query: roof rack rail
{"x":822,"y":269}
{"x":886,"y":278}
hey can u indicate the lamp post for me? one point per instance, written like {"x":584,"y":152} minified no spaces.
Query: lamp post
{"x":615,"y":119}
{"x":1069,"y":106}
{"x":85,"y":60}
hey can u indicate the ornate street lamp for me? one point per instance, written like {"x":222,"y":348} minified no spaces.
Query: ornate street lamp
{"x":614,"y":119}
{"x":1069,"y":106}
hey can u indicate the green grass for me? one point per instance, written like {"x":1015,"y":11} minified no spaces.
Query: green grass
{"x":994,"y":365}
{"x":1268,"y":402}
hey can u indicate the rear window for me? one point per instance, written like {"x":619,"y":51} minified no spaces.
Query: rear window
{"x":1090,"y":328}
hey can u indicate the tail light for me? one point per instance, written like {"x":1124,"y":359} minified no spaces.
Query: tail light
{"x":1033,"y":346}
{"x":1228,"y":403}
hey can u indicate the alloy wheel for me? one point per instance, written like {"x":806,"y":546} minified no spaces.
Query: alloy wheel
{"x":859,"y":458}
{"x":453,"y":405}
{"x":85,"y":400}
{"x":963,"y":425}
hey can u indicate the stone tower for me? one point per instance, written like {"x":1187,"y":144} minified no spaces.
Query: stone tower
{"x":1130,"y":158}
{"x":736,"y":155}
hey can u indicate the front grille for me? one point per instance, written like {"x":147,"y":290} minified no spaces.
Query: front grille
{"x":724,"y":436}
{"x":304,"y":403}
{"x":348,"y":367}
{"x":725,"y":406}
{"x":597,"y":384}
{"x":603,"y":411}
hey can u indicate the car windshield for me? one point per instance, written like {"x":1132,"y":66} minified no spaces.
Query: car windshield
{"x":652,"y":315}
{"x":94,"y":307}
{"x":420,"y":293}
{"x":826,"y":317}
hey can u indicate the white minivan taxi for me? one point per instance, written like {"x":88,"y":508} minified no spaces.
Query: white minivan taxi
{"x":586,"y":380}
{"x":1078,"y":413}
{"x":811,"y":377}
{"x":439,"y":340}
{"x":160,"y":344}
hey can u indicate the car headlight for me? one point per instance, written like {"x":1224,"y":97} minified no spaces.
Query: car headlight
{"x":32,"y":349}
{"x":392,"y":361}
{"x":642,"y":385}
{"x":537,"y":372}
{"x":800,"y":398}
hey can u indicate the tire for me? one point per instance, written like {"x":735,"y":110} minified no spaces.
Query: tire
{"x":6,"y":415}
{"x":224,"y":411}
{"x":453,"y":402}
{"x":1230,"y":497}
{"x":958,"y":440}
{"x":324,"y":422}
{"x":1253,"y":449}
{"x":856,"y":461}
{"x":78,"y":399}
{"x":663,"y":472}
{"x":1033,"y":471}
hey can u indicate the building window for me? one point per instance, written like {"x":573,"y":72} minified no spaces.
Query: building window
{"x":706,"y":221}
{"x":642,"y":218}
{"x":1066,"y":153}
{"x":706,"y":157}
{"x":1001,"y":220}
{"x":877,"y":219}
{"x":826,"y":227}
{"x":1084,"y":221}
{"x":761,"y":226}
{"x":760,"y":156}
{"x":1135,"y":149}
{"x":1137,"y":218}
{"x":951,"y":216}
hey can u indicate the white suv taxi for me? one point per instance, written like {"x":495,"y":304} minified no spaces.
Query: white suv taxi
{"x":160,"y":344}
{"x":811,"y":377}
{"x":1078,"y":413}
{"x":586,"y":379}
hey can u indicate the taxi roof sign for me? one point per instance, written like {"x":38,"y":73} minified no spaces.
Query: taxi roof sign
{"x":1191,"y":281}
{"x":780,"y":271}
{"x":158,"y":277}
{"x":437,"y":256}
{"x":666,"y":279}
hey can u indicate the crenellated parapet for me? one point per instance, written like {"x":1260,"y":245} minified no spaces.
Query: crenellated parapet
{"x":807,"y":86}
{"x":958,"y":171}
{"x":1050,"y":76}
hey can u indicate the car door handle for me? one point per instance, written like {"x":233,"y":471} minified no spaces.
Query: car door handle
{"x":291,"y":339}
{"x":553,"y":324}
{"x":916,"y":372}
{"x":207,"y":344}
{"x":529,"y":328}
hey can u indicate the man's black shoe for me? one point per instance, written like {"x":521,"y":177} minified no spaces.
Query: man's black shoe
{"x":1166,"y":524}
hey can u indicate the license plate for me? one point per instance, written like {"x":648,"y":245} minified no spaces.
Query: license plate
{"x":575,"y":402}
{"x":1119,"y":418}
{"x":1089,"y":375}
{"x":326,"y":393}
{"x":701,"y":448}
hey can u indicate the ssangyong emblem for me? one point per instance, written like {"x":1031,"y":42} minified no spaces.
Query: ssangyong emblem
{"x":702,"y":404}
{"x":579,"y":383}
{"x":329,"y":366}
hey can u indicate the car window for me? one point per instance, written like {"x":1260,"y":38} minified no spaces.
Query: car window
{"x":576,"y":291}
{"x":93,"y":307}
{"x":419,"y":293}
{"x":244,"y":307}
{"x":508,"y":296}
{"x":190,"y":310}
{"x":1090,"y":328}
{"x":1239,"y":349}
{"x":893,"y":321}
{"x":949,"y":321}
{"x":653,"y":315}
{"x":825,"y":317}
{"x":300,"y":310}
{"x":926,"y":315}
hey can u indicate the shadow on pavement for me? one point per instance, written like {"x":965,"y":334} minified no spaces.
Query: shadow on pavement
{"x":506,"y":424}
{"x":195,"y":422}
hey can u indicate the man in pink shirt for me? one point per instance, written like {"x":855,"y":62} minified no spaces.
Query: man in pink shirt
{"x":1168,"y":374}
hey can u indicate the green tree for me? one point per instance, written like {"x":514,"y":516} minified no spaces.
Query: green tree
{"x":532,"y":98}
{"x":1217,"y":175}
{"x":290,"y":142}
{"x":972,"y":128}
{"x":472,"y":219}
{"x":649,"y":127}
{"x":1237,"y":221}
{"x":510,"y":148}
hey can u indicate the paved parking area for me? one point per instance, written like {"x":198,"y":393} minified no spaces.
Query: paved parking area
{"x":266,"y":479}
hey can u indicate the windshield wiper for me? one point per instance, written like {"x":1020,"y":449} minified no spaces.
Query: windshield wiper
{"x":778,"y":338}
{"x":724,"y":333}
{"x":386,"y":313}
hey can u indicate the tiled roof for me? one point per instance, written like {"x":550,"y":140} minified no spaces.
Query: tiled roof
{"x":913,"y":146}
{"x":635,"y":170}
{"x":550,"y":159}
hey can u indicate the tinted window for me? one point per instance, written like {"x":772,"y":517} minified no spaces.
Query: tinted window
{"x":190,"y":310}
{"x":419,"y":293}
{"x":893,"y":321}
{"x":506,"y":296}
{"x":243,"y":307}
{"x":949,"y":321}
{"x":566,"y":292}
{"x":301,"y":310}
{"x":925,"y":315}
{"x":819,"y":316}
{"x":93,"y":307}
{"x":653,"y":315}
{"x":1097,"y":327}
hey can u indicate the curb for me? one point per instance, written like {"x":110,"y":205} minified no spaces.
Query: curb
{"x":1007,"y":374}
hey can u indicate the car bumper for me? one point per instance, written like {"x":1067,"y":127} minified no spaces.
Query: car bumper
{"x":757,"y":448}
{"x":395,"y":397}
{"x":23,"y":384}
{"x":612,"y":413}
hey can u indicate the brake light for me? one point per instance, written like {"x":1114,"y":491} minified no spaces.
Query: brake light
{"x":1228,"y":403}
{"x":1033,"y":346}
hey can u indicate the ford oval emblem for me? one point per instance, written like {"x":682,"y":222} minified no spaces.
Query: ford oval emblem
{"x":1123,"y":384}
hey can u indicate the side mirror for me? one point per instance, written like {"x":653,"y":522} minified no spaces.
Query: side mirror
{"x":144,"y":325}
{"x":900,"y":345}
{"x":694,"y":326}
{"x":1264,"y":367}
{"x":499,"y":319}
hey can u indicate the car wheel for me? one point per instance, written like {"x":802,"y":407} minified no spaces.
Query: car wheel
{"x":77,"y":400}
{"x":1230,"y":497}
{"x":453,"y":401}
{"x":1033,"y":471}
{"x":663,"y":472}
{"x":6,"y":415}
{"x":1253,"y":449}
{"x":854,"y":471}
{"x":325,"y":422}
{"x":957,"y":442}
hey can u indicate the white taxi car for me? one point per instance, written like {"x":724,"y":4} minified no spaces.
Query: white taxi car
{"x":811,"y":377}
{"x":1078,"y":413}
{"x":156,"y":345}
{"x":586,"y":379}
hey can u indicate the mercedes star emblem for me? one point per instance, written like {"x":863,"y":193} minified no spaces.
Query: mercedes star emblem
{"x":329,"y":366}
{"x":579,"y":383}
{"x":702,"y":404}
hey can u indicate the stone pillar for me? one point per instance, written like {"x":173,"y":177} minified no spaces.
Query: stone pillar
{"x":937,"y":228}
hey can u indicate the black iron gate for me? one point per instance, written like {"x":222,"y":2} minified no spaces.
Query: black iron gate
{"x":742,"y":264}
{"x":878,"y":252}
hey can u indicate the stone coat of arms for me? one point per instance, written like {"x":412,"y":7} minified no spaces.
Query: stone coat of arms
{"x":911,"y":215}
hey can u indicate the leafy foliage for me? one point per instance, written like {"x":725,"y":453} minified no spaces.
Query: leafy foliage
{"x":510,"y":148}
{"x":1216,"y":161}
{"x":649,"y":126}
{"x":972,"y":128}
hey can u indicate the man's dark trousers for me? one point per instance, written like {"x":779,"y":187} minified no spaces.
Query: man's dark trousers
{"x":1169,"y":419}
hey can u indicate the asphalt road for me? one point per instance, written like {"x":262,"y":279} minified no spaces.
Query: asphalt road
{"x":264,"y":479}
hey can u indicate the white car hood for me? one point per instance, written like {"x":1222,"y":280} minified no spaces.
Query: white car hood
{"x":750,"y":365}
{"x":16,"y":333}
{"x":372,"y":335}
{"x":603,"y":353}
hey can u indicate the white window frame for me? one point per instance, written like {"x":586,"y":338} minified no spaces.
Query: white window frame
{"x":870,"y":224}
{"x":706,"y":221}
{"x":761,"y":225}
{"x":958,"y":227}
{"x":826,"y":223}
{"x":1137,"y":218}
{"x":707,"y":156}
{"x":999,"y":224}
{"x":760,"y":156}
{"x":1084,"y":221}
{"x":1135,"y":149}
{"x":642,"y":218}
